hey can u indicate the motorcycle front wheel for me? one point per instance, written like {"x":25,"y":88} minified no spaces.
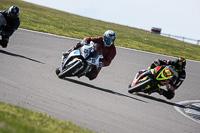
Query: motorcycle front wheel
{"x":57,"y":71}
{"x":138,"y":87}
{"x":68,"y":72}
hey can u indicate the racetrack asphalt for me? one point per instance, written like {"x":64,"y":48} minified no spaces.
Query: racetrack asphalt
{"x":28,"y":79}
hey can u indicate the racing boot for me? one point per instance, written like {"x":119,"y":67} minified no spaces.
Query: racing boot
{"x":80,"y":75}
{"x":139,"y":73}
{"x":142,"y":71}
{"x":65,"y":54}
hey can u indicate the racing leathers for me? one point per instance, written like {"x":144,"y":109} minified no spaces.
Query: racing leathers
{"x":12,"y":25}
{"x":108,"y":54}
{"x":173,"y":85}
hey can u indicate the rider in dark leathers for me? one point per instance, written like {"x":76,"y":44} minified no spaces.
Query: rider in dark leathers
{"x":12,"y":24}
{"x":179,"y":65}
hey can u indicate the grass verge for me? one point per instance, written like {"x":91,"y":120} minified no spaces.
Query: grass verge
{"x":14,"y":119}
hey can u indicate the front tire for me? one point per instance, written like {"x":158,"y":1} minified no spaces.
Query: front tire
{"x":57,"y":70}
{"x":138,"y":87}
{"x":68,"y":72}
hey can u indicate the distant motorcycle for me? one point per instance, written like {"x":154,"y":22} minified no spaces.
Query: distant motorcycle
{"x":2,"y":24}
{"x":80,"y":61}
{"x":153,"y":78}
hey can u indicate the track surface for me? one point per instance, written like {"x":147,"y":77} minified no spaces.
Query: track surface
{"x":28,"y":79}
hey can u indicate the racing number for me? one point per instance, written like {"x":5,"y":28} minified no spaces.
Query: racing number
{"x":85,"y":51}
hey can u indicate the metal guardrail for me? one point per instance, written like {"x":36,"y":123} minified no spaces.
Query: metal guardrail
{"x":182,"y":38}
{"x":178,"y":37}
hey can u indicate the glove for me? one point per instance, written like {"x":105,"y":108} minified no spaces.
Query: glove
{"x":157,"y":62}
{"x":81,"y":43}
{"x":101,"y":64}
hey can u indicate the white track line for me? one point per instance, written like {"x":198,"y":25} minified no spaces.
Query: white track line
{"x":186,"y":102}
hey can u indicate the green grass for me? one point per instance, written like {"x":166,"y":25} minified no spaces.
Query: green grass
{"x":57,"y":22}
{"x":14,"y":119}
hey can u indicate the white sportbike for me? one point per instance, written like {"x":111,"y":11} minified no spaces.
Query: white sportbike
{"x":80,"y":61}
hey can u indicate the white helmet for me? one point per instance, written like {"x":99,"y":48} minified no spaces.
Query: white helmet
{"x":13,"y":12}
{"x":109,"y":38}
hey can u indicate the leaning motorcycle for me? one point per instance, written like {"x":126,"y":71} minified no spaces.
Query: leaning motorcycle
{"x":2,"y":24}
{"x":152,"y":79}
{"x":80,"y":61}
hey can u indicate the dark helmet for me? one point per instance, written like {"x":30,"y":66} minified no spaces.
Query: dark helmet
{"x":180,"y":63}
{"x":13,"y":12}
{"x":109,"y":38}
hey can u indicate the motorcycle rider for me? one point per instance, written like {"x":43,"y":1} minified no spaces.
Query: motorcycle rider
{"x":106,"y":44}
{"x":179,"y":65}
{"x":12,"y":24}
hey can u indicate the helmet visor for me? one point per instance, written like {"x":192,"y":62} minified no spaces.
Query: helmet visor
{"x":109,"y":41}
{"x":12,"y":15}
{"x":179,"y":66}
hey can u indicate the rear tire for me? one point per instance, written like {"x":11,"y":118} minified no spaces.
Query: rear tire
{"x":68,"y":72}
{"x":138,"y":87}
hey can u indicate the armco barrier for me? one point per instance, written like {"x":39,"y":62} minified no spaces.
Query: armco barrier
{"x":182,"y":38}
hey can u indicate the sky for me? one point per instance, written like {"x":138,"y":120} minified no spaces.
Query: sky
{"x":175,"y":17}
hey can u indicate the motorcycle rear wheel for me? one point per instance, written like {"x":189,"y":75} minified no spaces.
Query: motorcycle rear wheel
{"x":68,"y":71}
{"x":138,"y":87}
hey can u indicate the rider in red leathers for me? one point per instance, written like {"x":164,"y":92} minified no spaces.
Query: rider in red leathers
{"x":106,"y":44}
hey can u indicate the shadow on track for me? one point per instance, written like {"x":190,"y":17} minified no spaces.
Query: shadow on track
{"x":21,"y":56}
{"x":101,"y":89}
{"x":160,"y":100}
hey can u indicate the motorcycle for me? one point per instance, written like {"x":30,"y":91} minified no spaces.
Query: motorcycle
{"x":80,"y":61}
{"x":2,"y":24}
{"x":151,"y":80}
